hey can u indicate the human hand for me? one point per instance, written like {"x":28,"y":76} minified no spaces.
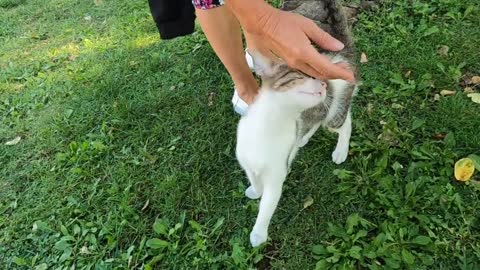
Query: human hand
{"x":289,"y":36}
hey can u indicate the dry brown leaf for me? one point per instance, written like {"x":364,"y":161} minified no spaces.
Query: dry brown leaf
{"x":468,"y":90}
{"x":439,"y":136}
{"x":447,"y":93}
{"x":308,"y":202}
{"x":14,"y":141}
{"x":363,"y":58}
{"x":464,"y":169}
{"x":443,"y":50}
{"x":475,"y":80}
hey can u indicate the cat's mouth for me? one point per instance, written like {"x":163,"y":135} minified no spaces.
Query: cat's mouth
{"x":313,"y":93}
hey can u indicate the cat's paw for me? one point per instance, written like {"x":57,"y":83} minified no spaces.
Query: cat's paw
{"x":256,"y":238}
{"x":251,"y":193}
{"x":302,"y":142}
{"x":340,"y":155}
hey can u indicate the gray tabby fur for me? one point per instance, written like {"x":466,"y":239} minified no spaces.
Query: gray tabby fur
{"x":329,"y":16}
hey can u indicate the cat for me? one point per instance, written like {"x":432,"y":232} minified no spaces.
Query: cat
{"x":288,"y":110}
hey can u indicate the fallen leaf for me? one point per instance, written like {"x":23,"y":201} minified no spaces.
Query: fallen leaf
{"x":443,"y":50}
{"x":14,"y":141}
{"x":363,"y":58}
{"x":369,"y":108}
{"x":84,"y":250}
{"x":211,"y":95}
{"x":146,"y":205}
{"x":407,"y":74}
{"x":397,"y":106}
{"x":468,"y":90}
{"x":475,"y":80}
{"x":439,"y":136}
{"x":447,"y":93}
{"x":72,"y":57}
{"x":98,"y":2}
{"x":436,"y":97}
{"x":308,"y":202}
{"x":464,"y":169}
{"x":475,"y":97}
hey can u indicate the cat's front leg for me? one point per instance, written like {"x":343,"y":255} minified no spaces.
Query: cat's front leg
{"x":340,"y":153}
{"x":304,"y":140}
{"x":273,"y":182}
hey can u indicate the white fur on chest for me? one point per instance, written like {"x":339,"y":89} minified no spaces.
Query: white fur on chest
{"x":266,"y":135}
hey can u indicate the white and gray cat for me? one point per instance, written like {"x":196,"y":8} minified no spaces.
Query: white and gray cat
{"x":289,"y":109}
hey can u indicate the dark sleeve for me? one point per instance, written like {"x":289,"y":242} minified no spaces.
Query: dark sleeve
{"x":174,"y":18}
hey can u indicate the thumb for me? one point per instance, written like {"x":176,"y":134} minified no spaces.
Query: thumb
{"x":322,"y":38}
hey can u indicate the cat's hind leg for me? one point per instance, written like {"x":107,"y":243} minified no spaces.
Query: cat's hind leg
{"x":254,"y":191}
{"x":340,"y":153}
{"x":273,"y":182}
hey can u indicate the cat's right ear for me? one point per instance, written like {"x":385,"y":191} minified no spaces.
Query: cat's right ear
{"x":264,"y":66}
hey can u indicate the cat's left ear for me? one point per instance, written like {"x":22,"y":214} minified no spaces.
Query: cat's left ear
{"x":264,"y":66}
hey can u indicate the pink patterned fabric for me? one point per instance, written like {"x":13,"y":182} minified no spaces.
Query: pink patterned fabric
{"x":207,"y":4}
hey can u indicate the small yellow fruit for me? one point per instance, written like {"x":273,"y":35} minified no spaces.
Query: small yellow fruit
{"x":464,"y":169}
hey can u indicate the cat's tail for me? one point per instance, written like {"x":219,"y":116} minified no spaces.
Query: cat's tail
{"x":338,"y":22}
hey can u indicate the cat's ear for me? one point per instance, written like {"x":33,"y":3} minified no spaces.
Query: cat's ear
{"x":264,"y":66}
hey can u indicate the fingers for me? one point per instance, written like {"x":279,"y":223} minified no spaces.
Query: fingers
{"x":307,"y":69}
{"x":326,"y":68}
{"x":322,"y":38}
{"x":343,"y":65}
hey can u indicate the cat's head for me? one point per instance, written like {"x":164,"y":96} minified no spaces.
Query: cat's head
{"x":297,"y":87}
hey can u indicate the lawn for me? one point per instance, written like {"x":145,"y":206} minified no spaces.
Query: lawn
{"x":126,"y":152}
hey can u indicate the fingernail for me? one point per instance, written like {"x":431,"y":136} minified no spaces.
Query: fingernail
{"x":337,"y":45}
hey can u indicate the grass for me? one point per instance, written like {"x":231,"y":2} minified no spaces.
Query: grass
{"x":126,"y":158}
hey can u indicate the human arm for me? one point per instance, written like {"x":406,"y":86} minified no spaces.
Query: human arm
{"x":289,"y":36}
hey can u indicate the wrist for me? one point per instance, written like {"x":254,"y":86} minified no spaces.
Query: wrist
{"x":253,"y":15}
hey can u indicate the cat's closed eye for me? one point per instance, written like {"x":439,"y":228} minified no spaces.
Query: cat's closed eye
{"x":288,"y":79}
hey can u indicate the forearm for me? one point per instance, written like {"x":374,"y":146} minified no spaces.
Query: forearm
{"x":253,"y":15}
